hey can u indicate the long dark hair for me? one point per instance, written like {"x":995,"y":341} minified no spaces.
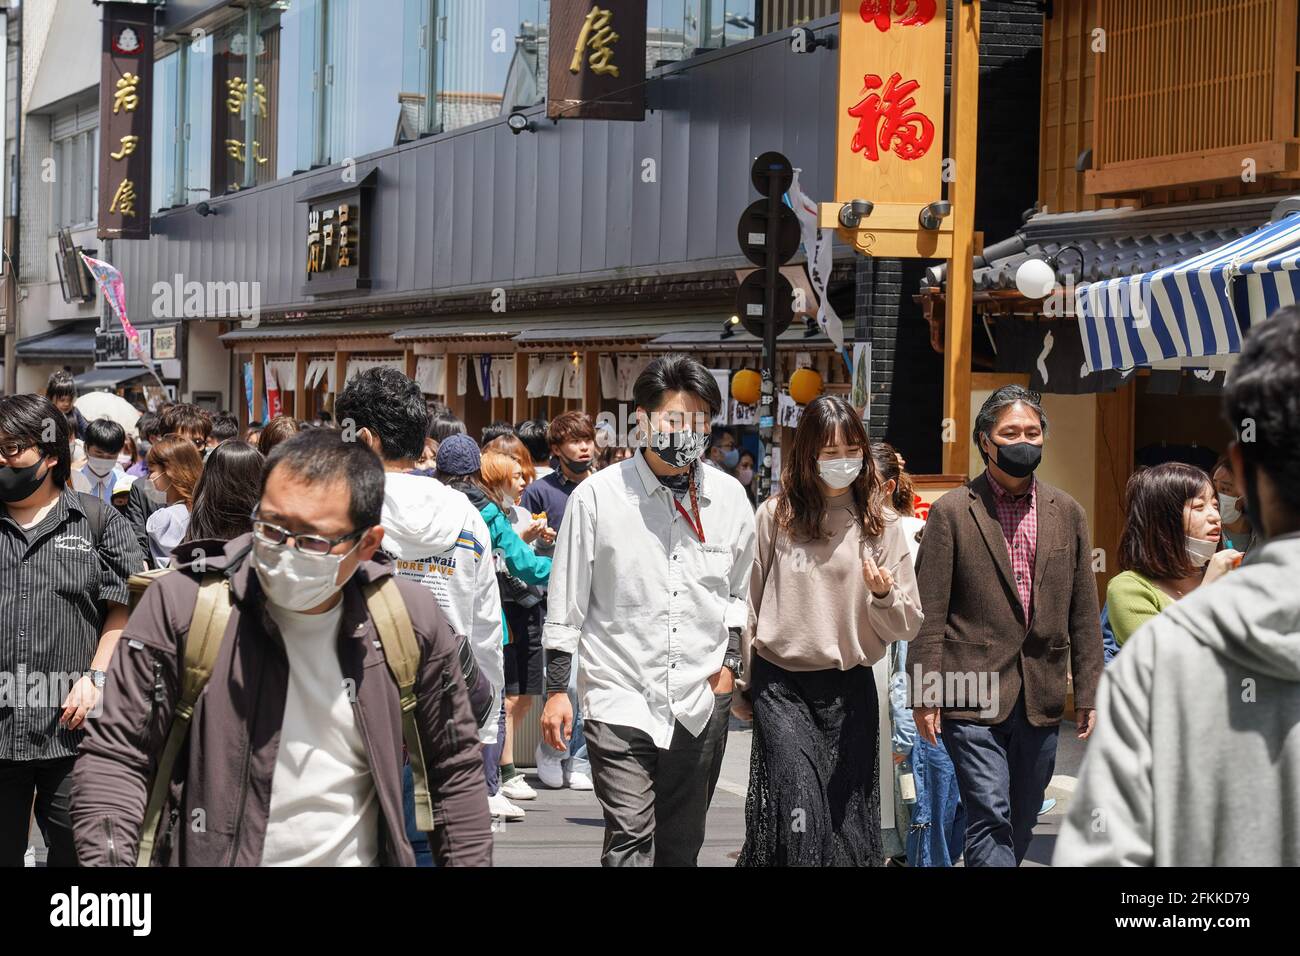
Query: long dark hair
{"x":1154,"y":541}
{"x":887,"y":461}
{"x":801,"y":506}
{"x":227,"y":492}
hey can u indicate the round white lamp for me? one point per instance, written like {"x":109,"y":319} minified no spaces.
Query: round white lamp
{"x":1035,"y":279}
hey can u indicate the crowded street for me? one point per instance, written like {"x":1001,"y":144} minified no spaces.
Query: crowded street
{"x":701,"y":435}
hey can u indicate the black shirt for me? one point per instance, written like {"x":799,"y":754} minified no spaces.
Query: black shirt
{"x":54,"y":580}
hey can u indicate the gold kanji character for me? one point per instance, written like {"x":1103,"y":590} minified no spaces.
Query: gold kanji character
{"x":313,"y":258}
{"x":235,"y":149}
{"x":126,"y":96}
{"x":599,"y":35}
{"x":129,"y":144}
{"x":124,"y":199}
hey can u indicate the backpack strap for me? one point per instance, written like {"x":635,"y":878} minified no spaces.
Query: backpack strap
{"x":207,"y":628}
{"x":402,"y":652}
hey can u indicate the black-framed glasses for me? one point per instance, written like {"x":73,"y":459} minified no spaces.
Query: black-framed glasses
{"x":12,"y":449}
{"x":273,"y":534}
{"x":199,"y":443}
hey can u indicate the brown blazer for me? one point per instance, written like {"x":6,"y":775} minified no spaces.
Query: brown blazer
{"x":975,"y":626}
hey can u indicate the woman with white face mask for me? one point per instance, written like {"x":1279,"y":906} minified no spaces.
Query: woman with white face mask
{"x":174,"y":471}
{"x":1169,"y":547}
{"x":1237,"y":532}
{"x":832,"y":587}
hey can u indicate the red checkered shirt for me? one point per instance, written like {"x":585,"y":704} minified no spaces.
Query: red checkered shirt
{"x":1018,"y":515}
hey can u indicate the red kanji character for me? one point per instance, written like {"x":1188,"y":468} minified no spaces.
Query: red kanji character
{"x":910,"y":13}
{"x":921,"y":12}
{"x":911,"y":133}
{"x":877,"y":12}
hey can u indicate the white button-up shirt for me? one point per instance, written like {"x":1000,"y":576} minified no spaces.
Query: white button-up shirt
{"x":641,"y":603}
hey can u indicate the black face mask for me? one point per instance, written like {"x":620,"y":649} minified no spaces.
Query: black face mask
{"x":17,"y":484}
{"x":580,"y":467}
{"x":1019,"y":460}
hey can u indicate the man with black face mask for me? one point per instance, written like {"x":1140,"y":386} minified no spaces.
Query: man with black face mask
{"x":649,"y":593}
{"x":1006,"y":581}
{"x":64,"y":561}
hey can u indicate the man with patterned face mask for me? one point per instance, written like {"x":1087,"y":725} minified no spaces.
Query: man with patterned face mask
{"x":648,"y":593}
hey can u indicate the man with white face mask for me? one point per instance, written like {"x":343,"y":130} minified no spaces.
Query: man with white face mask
{"x":104,"y":441}
{"x":300,"y":696}
{"x":648,"y":592}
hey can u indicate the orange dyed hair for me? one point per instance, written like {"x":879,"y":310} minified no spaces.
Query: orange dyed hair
{"x":497,"y":471}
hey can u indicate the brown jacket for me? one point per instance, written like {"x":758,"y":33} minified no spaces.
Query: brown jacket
{"x":974,"y":624}
{"x":221,"y":790}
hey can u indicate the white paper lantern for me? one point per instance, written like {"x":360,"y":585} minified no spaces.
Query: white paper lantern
{"x":1035,"y":279}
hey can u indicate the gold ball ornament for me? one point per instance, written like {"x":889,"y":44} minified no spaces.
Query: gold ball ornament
{"x":746,"y":386}
{"x":805,"y":385}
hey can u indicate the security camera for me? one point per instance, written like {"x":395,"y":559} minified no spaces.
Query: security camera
{"x":933,"y":214}
{"x":852,"y":213}
{"x":804,"y":40}
{"x":519,"y":123}
{"x":205,"y":209}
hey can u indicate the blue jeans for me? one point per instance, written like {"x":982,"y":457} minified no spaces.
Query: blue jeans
{"x":1003,"y":771}
{"x":938,"y":829}
{"x":419,"y":841}
{"x":577,"y":761}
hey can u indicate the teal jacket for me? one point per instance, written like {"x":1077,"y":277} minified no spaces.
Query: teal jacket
{"x":521,"y":560}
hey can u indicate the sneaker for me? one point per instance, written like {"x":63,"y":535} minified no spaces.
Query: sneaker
{"x":580,"y":781}
{"x":550,"y":767}
{"x":503,"y":809}
{"x":1048,"y":805}
{"x":516,"y":788}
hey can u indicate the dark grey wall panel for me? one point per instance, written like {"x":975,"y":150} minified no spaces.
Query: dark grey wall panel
{"x":480,"y":207}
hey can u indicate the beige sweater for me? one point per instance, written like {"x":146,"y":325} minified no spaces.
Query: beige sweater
{"x":809,"y":608}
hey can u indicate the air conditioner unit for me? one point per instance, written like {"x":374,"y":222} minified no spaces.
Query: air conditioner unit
{"x":77,"y":283}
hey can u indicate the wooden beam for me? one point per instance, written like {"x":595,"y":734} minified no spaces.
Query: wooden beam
{"x":963,"y":119}
{"x":259,"y":387}
{"x":1274,"y":158}
{"x":521,"y":387}
{"x":300,"y":386}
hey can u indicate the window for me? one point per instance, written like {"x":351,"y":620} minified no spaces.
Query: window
{"x":490,"y":58}
{"x":74,"y":139}
{"x":167,"y":136}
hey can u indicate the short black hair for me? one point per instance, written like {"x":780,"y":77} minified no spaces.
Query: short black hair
{"x":324,"y":416}
{"x":61,"y":385}
{"x":32,"y":418}
{"x":147,"y":426}
{"x":105,"y":434}
{"x":1000,"y":401}
{"x":495,"y":430}
{"x":533,"y":434}
{"x":391,"y":406}
{"x":1262,"y":395}
{"x":321,"y":456}
{"x":225,"y":427}
{"x":443,"y":427}
{"x":676,"y":373}
{"x":718,"y":433}
{"x":439,"y":409}
{"x":185,"y":417}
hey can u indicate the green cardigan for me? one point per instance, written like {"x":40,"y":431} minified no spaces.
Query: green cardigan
{"x":1131,"y":601}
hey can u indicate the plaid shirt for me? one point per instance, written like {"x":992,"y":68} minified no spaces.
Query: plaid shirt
{"x":1018,"y":515}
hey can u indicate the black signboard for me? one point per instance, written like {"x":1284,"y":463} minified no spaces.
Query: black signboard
{"x":125,"y":121}
{"x":336,"y":231}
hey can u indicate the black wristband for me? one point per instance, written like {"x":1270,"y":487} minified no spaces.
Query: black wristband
{"x":558,"y":666}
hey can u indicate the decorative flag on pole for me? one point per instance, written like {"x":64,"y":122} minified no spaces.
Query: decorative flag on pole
{"x":817,"y":249}
{"x":110,"y":282}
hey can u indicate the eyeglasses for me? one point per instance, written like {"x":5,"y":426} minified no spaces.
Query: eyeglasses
{"x":199,"y":443}
{"x":273,"y":534}
{"x":12,"y":449}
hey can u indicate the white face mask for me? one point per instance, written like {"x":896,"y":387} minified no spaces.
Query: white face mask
{"x":1200,"y":550}
{"x":101,"y":467}
{"x":1229,"y":508}
{"x":296,"y":581}
{"x":840,"y":472}
{"x":744,"y":475}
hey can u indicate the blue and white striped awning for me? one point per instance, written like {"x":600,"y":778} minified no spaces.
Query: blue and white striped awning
{"x":1195,"y":309}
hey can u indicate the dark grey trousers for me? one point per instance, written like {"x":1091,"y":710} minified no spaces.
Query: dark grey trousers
{"x":655,"y":801}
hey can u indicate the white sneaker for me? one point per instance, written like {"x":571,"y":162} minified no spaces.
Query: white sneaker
{"x":29,"y":856}
{"x":503,"y":809}
{"x":550,"y":766}
{"x":516,"y":788}
{"x":580,"y":781}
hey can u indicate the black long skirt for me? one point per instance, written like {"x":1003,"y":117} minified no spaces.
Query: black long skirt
{"x":814,"y":771}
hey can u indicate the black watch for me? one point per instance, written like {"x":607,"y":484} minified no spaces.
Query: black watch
{"x":736,"y":664}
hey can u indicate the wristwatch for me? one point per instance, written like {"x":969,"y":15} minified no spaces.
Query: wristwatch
{"x":97,"y":677}
{"x":735,"y":664}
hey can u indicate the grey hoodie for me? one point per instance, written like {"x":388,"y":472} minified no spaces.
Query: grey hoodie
{"x":440,"y":541}
{"x":1195,"y":760}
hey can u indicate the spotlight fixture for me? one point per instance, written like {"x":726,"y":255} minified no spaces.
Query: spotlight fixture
{"x":205,"y":209}
{"x":519,"y":123}
{"x":852,"y":213}
{"x":804,"y":40}
{"x":729,"y":326}
{"x":934,"y":213}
